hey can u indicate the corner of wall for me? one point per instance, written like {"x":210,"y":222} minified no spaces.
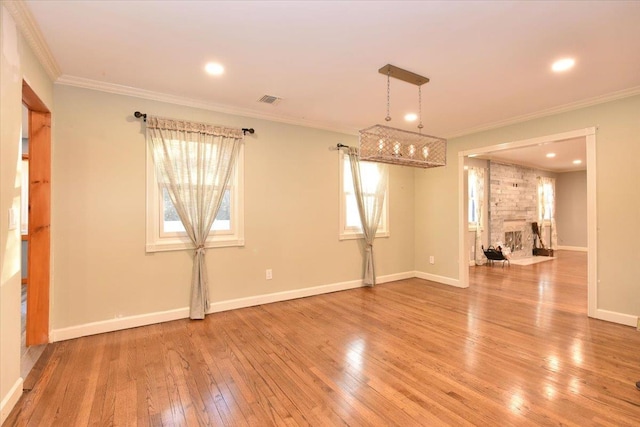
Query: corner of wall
{"x":10,"y":400}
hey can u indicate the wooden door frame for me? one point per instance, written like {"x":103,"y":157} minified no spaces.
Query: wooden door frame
{"x":39,"y":249}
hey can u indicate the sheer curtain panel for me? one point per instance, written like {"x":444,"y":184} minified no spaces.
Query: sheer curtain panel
{"x":547,"y":209}
{"x":193,"y":162}
{"x":370,"y":201}
{"x":476,"y":176}
{"x":552,"y":212}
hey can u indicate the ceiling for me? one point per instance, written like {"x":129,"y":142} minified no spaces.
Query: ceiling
{"x":535,"y":156}
{"x":489,"y":62}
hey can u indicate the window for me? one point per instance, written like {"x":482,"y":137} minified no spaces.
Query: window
{"x":473,"y":200}
{"x":350,"y":225}
{"x":165,"y":231}
{"x":171,"y":224}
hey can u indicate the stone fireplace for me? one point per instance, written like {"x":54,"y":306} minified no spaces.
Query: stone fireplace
{"x":512,"y":207}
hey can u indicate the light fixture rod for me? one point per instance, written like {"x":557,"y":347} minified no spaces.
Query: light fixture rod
{"x":404,"y":75}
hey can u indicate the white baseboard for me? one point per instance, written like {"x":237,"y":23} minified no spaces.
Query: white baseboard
{"x":10,"y":400}
{"x":572,"y":248}
{"x":233,"y":304}
{"x":615,"y":317}
{"x":214,"y":307}
{"x":117,"y":324}
{"x":398,"y":276}
{"x":440,"y":279}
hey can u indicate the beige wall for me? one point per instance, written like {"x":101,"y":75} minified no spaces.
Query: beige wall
{"x":571,"y":210}
{"x":436,"y":218}
{"x":101,"y":270}
{"x":16,"y":62}
{"x":618,"y":201}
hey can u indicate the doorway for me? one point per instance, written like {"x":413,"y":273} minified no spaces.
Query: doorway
{"x":36,"y":232}
{"x":590,"y":140}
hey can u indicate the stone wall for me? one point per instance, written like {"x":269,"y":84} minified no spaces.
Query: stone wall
{"x":512,"y":204}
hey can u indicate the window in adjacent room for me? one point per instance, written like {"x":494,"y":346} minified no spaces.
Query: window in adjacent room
{"x":545,"y":191}
{"x":165,"y":230}
{"x":475,"y":197}
{"x":473,"y":200}
{"x":350,"y":225}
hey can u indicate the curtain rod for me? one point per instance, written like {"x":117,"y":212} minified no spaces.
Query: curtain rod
{"x":138,"y":115}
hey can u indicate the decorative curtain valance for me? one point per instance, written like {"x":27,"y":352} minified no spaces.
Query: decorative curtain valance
{"x":476,"y":179}
{"x":194,"y":162}
{"x":186,"y":126}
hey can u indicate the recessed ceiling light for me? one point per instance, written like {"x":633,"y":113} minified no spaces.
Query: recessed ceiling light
{"x":577,"y":162}
{"x":563,"y":65}
{"x":551,"y":155}
{"x":214,"y":69}
{"x":411,"y":117}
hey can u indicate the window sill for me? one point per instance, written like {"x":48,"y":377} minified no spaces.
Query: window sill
{"x":180,"y":245}
{"x":354,"y":236}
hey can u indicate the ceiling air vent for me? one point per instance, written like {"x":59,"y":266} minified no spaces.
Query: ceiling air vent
{"x":269,"y":99}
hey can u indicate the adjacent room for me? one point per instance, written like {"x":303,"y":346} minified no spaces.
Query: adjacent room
{"x":281,"y":213}
{"x":527,"y":202}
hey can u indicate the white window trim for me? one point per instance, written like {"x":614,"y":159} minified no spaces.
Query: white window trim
{"x":157,"y":243}
{"x":345,"y":233}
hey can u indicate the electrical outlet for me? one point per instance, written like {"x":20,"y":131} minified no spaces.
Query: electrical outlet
{"x":269,"y":274}
{"x":432,"y":259}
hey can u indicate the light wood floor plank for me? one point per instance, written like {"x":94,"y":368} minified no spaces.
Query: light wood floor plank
{"x":515,"y":348}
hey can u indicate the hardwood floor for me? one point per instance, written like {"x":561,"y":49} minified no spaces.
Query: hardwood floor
{"x":516,"y":348}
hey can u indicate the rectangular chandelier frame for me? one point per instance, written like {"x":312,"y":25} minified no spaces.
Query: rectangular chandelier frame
{"x":385,"y":144}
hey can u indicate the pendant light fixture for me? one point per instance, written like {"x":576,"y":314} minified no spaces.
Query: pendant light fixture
{"x":386,"y":144}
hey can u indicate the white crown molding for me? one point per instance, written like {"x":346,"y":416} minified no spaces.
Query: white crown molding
{"x":625,"y":93}
{"x":31,"y":32}
{"x":189,"y":102}
{"x":117,"y":89}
